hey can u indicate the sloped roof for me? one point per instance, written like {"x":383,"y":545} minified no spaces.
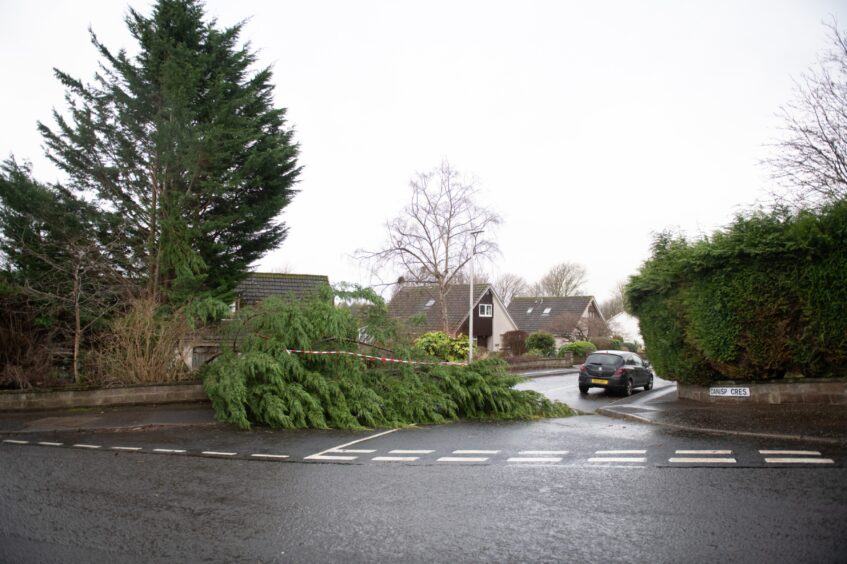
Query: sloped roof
{"x":260,"y":285}
{"x":529,"y":315}
{"x":414,"y":300}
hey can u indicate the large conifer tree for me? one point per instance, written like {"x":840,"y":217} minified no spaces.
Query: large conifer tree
{"x":189,"y":160}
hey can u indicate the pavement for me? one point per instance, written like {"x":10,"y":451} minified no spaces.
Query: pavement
{"x":661,"y":406}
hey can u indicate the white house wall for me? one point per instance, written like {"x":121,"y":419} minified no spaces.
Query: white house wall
{"x":502,"y":323}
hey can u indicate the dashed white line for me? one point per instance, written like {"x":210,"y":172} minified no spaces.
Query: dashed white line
{"x":321,"y":455}
{"x":271,"y":456}
{"x":462,"y":459}
{"x":620,"y":452}
{"x":700,"y":460}
{"x":617,"y":459}
{"x":169,"y":450}
{"x":799,"y":461}
{"x":543,"y":452}
{"x":217,"y":453}
{"x":394,"y":458}
{"x":476,"y":451}
{"x":329,"y":457}
{"x":45,"y":443}
{"x":411,"y":451}
{"x":792,"y":452}
{"x":86,"y":446}
{"x":130,"y":449}
{"x":536,"y":459}
{"x":354,"y":450}
{"x":702,"y":452}
{"x":15,"y":442}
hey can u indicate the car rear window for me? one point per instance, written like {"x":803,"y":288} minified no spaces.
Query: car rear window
{"x":604,"y":359}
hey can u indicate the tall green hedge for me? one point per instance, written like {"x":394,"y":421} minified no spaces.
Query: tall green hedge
{"x":762,"y":298}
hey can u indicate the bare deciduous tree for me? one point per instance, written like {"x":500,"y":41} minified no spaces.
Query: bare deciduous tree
{"x":564,"y":279}
{"x":432,"y":240}
{"x":811,"y":162}
{"x":509,"y":285}
{"x":615,"y":304}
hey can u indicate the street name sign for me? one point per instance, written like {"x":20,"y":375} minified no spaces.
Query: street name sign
{"x":730,"y":392}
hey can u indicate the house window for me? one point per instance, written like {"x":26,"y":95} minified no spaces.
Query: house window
{"x":546,"y":311}
{"x":430,"y":303}
{"x":529,"y":311}
{"x":486,"y":310}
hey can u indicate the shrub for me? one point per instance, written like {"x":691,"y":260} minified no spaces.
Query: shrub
{"x":757,"y":300}
{"x":514,"y":342}
{"x":631,"y":347}
{"x":442,"y":346}
{"x":264,"y":383}
{"x":579,"y":349}
{"x":542,"y":341}
{"x":603,"y":343}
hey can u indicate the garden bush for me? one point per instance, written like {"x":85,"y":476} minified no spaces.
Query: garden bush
{"x":755,"y":301}
{"x":264,"y":382}
{"x":541,"y":341}
{"x":604,"y":343}
{"x":579,"y":349}
{"x":514,"y":342}
{"x":440,"y":345}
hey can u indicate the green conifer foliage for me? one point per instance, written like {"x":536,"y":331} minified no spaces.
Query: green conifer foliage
{"x":262,"y":383}
{"x":188,"y":157}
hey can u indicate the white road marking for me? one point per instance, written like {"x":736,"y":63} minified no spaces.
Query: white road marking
{"x":620,"y":452}
{"x":44,"y":443}
{"x":329,"y":457}
{"x":215,"y":453}
{"x":411,"y":451}
{"x":792,"y":452}
{"x":131,"y":449}
{"x":462,"y":459}
{"x":692,"y":460}
{"x":320,"y":455}
{"x":702,"y":452}
{"x":354,"y":451}
{"x":475,"y":451}
{"x":543,"y":452}
{"x":169,"y":450}
{"x":274,"y":456}
{"x":14,"y":442}
{"x":534,"y":459}
{"x":394,"y":458}
{"x":616,"y":459}
{"x":86,"y":446}
{"x":799,"y":461}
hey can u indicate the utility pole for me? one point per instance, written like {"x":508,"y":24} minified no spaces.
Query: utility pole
{"x":470,"y":308}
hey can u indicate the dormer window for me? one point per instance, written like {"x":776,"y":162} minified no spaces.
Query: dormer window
{"x":528,"y":311}
{"x":430,"y":303}
{"x":546,"y":311}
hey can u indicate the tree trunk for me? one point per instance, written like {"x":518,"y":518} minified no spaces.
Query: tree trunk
{"x":77,"y":323}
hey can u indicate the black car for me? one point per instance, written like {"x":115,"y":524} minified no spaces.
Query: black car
{"x":618,"y":370}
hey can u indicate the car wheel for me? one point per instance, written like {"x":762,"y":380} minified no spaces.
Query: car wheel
{"x":583,"y":389}
{"x":627,"y":391}
{"x":649,"y":384}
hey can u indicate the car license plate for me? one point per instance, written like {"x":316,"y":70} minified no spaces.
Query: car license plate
{"x":599,"y":381}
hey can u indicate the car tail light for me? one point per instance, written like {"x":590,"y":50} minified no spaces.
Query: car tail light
{"x":582,"y":368}
{"x":619,"y":372}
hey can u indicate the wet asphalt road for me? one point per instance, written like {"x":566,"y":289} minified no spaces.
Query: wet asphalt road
{"x":613,"y":495}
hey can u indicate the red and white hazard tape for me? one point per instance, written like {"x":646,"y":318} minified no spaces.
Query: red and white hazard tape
{"x":376,"y":358}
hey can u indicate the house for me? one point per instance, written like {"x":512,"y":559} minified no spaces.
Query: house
{"x":257,"y":286}
{"x":491,"y":319}
{"x":626,"y":326}
{"x":567,"y":318}
{"x":260,"y":285}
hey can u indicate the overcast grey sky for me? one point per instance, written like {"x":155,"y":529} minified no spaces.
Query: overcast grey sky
{"x":588,"y":125}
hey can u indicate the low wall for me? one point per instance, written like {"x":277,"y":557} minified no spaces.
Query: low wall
{"x":521,"y":365}
{"x":18,"y":400}
{"x":828,"y":392}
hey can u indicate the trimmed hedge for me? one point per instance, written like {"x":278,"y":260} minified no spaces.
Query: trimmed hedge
{"x":765,"y":297}
{"x":541,"y":341}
